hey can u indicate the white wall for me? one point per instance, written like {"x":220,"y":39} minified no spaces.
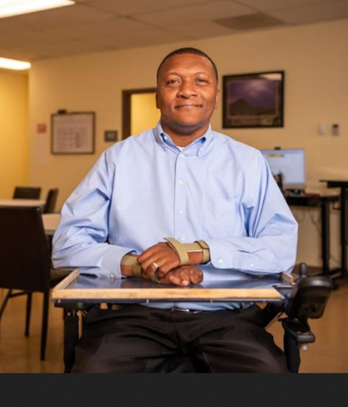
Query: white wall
{"x":315,"y":61}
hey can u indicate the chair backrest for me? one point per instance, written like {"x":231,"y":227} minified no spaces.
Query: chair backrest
{"x":25,"y":262}
{"x":51,"y":201}
{"x":27,"y":193}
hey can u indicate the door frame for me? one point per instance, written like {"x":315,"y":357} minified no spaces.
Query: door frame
{"x":127,"y":108}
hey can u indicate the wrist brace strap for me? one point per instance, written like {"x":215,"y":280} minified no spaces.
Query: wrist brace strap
{"x":182,"y":250}
{"x":128,"y":260}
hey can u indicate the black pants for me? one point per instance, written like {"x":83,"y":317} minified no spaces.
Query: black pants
{"x":142,"y":339}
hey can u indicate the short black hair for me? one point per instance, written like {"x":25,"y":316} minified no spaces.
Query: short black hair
{"x":188,"y":50}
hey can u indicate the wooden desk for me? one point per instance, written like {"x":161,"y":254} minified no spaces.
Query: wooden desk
{"x":22,"y":202}
{"x":343,"y":186}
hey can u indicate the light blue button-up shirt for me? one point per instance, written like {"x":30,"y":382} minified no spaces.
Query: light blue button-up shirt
{"x":145,"y":188}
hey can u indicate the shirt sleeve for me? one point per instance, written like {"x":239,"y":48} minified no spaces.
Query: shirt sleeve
{"x":80,"y":240}
{"x":269,"y":245}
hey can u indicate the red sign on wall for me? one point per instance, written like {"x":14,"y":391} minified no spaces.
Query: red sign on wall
{"x":41,"y":128}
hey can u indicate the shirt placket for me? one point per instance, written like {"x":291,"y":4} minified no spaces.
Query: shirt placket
{"x":180,"y":197}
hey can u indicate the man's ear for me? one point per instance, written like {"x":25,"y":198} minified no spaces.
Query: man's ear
{"x":217,"y":98}
{"x":157,"y":102}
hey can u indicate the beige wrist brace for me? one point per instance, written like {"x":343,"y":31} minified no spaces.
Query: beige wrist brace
{"x":128,"y":260}
{"x":182,"y":250}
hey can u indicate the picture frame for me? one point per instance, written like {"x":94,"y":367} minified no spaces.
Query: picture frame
{"x":253,"y":100}
{"x":73,"y":133}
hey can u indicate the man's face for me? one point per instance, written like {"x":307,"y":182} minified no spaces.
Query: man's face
{"x":187,"y":94}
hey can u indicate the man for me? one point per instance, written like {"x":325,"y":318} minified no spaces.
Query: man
{"x":157,"y":205}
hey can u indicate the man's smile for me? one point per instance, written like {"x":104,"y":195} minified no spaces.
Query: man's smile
{"x":188,"y":106}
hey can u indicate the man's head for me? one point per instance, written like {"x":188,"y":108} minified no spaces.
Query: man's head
{"x":188,"y":50}
{"x":187,"y":92}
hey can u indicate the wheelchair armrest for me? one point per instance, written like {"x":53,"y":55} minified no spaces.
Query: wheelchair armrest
{"x":308,"y":298}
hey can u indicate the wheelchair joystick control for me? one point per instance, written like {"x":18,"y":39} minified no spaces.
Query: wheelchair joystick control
{"x":303,"y":270}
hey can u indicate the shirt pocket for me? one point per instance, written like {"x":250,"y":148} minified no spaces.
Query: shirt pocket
{"x":222,"y":215}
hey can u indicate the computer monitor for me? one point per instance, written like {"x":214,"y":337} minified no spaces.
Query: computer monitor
{"x":290,"y":164}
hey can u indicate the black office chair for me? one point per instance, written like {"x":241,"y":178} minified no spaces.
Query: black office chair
{"x":27,"y":193}
{"x":51,"y":201}
{"x":306,"y":300}
{"x":25,"y":261}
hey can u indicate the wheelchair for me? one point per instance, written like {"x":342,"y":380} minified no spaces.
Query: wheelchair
{"x":306,"y":300}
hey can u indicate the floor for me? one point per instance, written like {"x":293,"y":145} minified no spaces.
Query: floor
{"x":18,"y":354}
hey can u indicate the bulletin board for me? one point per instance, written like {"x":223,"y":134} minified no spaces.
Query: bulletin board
{"x":73,"y":133}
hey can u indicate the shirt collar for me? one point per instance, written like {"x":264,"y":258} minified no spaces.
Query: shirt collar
{"x":196,"y":148}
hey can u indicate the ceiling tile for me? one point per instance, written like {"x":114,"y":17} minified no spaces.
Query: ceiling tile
{"x":149,"y":37}
{"x":22,"y":55}
{"x":29,"y":39}
{"x":130,"y":7}
{"x":311,"y":14}
{"x":59,"y":18}
{"x":199,"y":12}
{"x":202,"y":29}
{"x":54,"y":50}
{"x":67,"y":48}
{"x":101,"y":31}
{"x":265,"y":5}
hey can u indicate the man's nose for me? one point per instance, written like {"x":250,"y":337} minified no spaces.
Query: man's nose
{"x":187,"y":90}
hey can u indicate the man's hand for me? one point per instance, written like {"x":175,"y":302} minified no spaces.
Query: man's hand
{"x":183,"y":276}
{"x":160,"y":254}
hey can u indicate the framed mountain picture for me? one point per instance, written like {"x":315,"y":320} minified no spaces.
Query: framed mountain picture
{"x":253,"y":100}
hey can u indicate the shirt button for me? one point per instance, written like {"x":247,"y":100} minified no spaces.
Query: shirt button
{"x":112,"y":277}
{"x":181,"y":182}
{"x":180,"y":212}
{"x":182,"y":155}
{"x":251,"y":265}
{"x":220,"y":261}
{"x":182,"y":239}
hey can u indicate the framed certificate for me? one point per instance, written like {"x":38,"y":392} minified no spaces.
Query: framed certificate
{"x":73,"y":133}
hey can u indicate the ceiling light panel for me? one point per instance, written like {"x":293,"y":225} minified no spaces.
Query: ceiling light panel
{"x":10,"y":8}
{"x":14,"y":64}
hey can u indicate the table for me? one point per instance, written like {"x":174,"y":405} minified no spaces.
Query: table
{"x":343,"y":186}
{"x":50,"y":222}
{"x":323,"y":202}
{"x":22,"y":202}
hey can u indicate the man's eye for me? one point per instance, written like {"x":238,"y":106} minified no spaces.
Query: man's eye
{"x":201,"y":80}
{"x":171,"y":81}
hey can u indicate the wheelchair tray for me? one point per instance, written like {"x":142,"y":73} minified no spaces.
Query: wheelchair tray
{"x":87,"y":288}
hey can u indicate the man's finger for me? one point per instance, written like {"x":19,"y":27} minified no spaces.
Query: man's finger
{"x":150,"y":271}
{"x":174,"y":279}
{"x":196,"y":276}
{"x":146,"y":254}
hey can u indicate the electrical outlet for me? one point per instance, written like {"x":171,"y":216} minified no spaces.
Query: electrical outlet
{"x":322,"y":129}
